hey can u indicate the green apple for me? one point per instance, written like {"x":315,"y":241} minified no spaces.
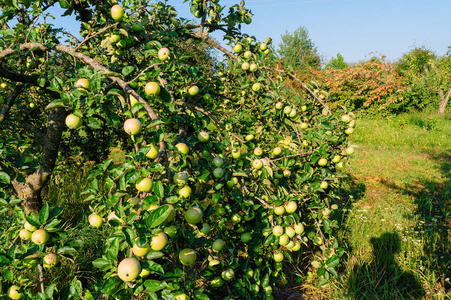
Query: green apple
{"x":40,"y":236}
{"x":286,"y":173}
{"x":277,"y":150}
{"x":138,"y":27}
{"x":182,"y":296}
{"x":218,"y":161}
{"x":181,"y":178}
{"x":218,"y":245}
{"x":304,"y":125}
{"x":25,"y":234}
{"x":117,"y":12}
{"x":278,"y":256}
{"x":218,"y":172}
{"x":263,"y":46}
{"x":287,"y":110}
{"x":82,"y":83}
{"x":322,"y":162}
{"x":29,"y":227}
{"x":159,"y":241}
{"x":3,"y":85}
{"x":153,"y":152}
{"x":217,"y":282}
{"x":291,"y":207}
{"x":324,"y":185}
{"x":152,"y":89}
{"x":345,"y":118}
{"x":51,"y":260}
{"x":140,"y":251}
{"x":256,"y":86}
{"x":304,"y":107}
{"x":32,"y":105}
{"x":238,"y":48}
{"x":245,"y":66}
{"x":349,"y":130}
{"x":253,"y":67}
{"x":284,"y":239}
{"x":13,"y":292}
{"x":129,"y":269}
{"x":350,"y":150}
{"x":114,"y":38}
{"x":187,"y":256}
{"x":258,"y":151}
{"x":336,"y":158}
{"x":249,"y":137}
{"x":73,"y":122}
{"x":279,"y":210}
{"x":257,"y":164}
{"x":203,"y":137}
{"x":247,"y":54}
{"x":144,"y":184}
{"x":185,"y":192}
{"x":132,"y":126}
{"x":279,"y":105}
{"x":277,"y":230}
{"x":205,"y":228}
{"x":246,"y":237}
{"x":228,"y":274}
{"x":296,"y":247}
{"x":236,"y":153}
{"x":193,"y":215}
{"x":194,"y":90}
{"x":290,"y":232}
{"x":182,"y":148}
{"x":95,"y":220}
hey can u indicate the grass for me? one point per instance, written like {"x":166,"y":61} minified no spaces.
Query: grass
{"x":397,"y":226}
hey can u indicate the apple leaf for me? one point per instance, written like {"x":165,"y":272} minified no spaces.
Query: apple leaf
{"x":44,"y":214}
{"x":50,"y":290}
{"x":154,"y":285}
{"x":33,"y":220}
{"x":4,"y":178}
{"x":154,"y":267}
{"x":201,"y":296}
{"x":129,"y":234}
{"x":158,"y":189}
{"x":8,"y":275}
{"x":154,"y":254}
{"x":102,"y":264}
{"x":112,"y":286}
{"x":127,"y":70}
{"x":158,"y":216}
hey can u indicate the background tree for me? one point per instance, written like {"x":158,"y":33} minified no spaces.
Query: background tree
{"x":337,"y":63}
{"x":298,"y":50}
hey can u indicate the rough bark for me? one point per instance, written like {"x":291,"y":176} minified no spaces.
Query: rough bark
{"x":30,"y":190}
{"x":444,"y":102}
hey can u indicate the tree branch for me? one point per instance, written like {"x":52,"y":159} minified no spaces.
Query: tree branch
{"x":9,"y":102}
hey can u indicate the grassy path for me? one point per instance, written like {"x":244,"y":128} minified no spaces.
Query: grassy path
{"x":398,"y":218}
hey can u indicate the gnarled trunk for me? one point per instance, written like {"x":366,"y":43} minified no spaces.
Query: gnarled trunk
{"x":444,"y":102}
{"x":30,"y":190}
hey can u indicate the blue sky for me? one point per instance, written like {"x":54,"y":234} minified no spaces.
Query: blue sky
{"x":354,"y":28}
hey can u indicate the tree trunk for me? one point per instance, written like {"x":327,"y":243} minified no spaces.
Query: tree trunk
{"x":444,"y":102}
{"x":30,"y":190}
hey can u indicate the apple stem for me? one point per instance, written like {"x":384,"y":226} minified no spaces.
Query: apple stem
{"x":41,"y":276}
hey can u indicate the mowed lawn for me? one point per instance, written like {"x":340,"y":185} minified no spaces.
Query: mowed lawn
{"x":397,"y":210}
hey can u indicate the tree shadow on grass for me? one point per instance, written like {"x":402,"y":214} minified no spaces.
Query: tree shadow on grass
{"x":433,"y":200}
{"x":382,"y":278}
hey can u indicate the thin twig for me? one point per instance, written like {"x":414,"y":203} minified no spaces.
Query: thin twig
{"x":96,"y":34}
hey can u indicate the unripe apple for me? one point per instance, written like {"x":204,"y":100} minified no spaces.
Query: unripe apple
{"x":279,"y":105}
{"x":95,"y":220}
{"x":13,"y":292}
{"x":299,"y":228}
{"x":258,"y":151}
{"x":40,"y":237}
{"x":163,"y":54}
{"x":245,"y":66}
{"x":304,"y":107}
{"x":218,"y":245}
{"x":287,"y":110}
{"x":132,"y":126}
{"x":194,"y":90}
{"x":277,"y":151}
{"x":114,"y":38}
{"x":336,"y":158}
{"x":51,"y":260}
{"x":304,"y":125}
{"x":277,"y":230}
{"x":205,"y":228}
{"x":290,"y":232}
{"x":187,"y":256}
{"x":291,"y":207}
{"x":253,"y":67}
{"x":350,"y":150}
{"x":279,"y":210}
{"x":218,"y":172}
{"x":193,"y":215}
{"x":144,"y":184}
{"x":238,"y":48}
{"x":247,"y":54}
{"x":203,"y":137}
{"x":159,"y":241}
{"x":152,"y":89}
{"x":292,"y":113}
{"x":263,"y":46}
{"x":182,"y":148}
{"x":73,"y":122}
{"x":3,"y":85}
{"x":82,"y":83}
{"x":349,"y":130}
{"x":25,"y":234}
{"x":284,"y":239}
{"x":185,"y":192}
{"x":153,"y":152}
{"x":218,"y":161}
{"x":257,"y":164}
{"x":32,"y":105}
{"x":29,"y":227}
{"x":322,"y":162}
{"x":324,"y":185}
{"x":249,"y":137}
{"x":346,"y":118}
{"x":286,"y":173}
{"x":236,"y":153}
{"x":129,"y":269}
{"x":256,"y":86}
{"x":181,"y":178}
{"x":228,"y":274}
{"x":278,"y":256}
{"x":340,"y":165}
{"x":117,"y":12}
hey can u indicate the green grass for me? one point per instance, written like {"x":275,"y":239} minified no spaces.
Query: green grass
{"x":397,"y":226}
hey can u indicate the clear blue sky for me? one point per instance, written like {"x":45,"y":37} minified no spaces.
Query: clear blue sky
{"x":354,"y":28}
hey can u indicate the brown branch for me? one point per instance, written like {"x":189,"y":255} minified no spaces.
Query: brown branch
{"x":292,"y":76}
{"x":41,"y":277}
{"x":96,"y":34}
{"x":9,"y":102}
{"x":214,"y":44}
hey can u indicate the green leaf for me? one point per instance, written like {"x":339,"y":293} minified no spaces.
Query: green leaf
{"x":158,"y":189}
{"x":129,"y":234}
{"x":333,"y":262}
{"x":158,"y":216}
{"x":67,"y":250}
{"x":44,"y":214}
{"x":33,"y":220}
{"x":154,"y":285}
{"x":102,"y":264}
{"x":112,"y":286}
{"x":154,"y":254}
{"x":201,"y":296}
{"x":5,"y":178}
{"x":127,"y":70}
{"x":57,"y":103}
{"x":8,"y":275}
{"x":55,"y":212}
{"x":155,"y":268}
{"x":113,"y":248}
{"x":50,"y":290}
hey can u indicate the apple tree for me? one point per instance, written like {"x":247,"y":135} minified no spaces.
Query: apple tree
{"x":224,"y":174}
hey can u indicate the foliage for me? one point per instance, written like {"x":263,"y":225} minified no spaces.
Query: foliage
{"x":298,"y":50}
{"x":337,"y":62}
{"x":222,"y":140}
